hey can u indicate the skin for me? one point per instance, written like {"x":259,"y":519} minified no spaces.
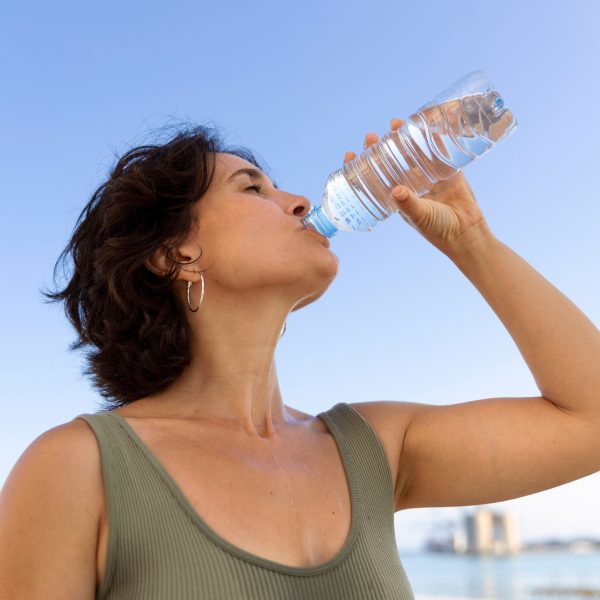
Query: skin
{"x":259,"y":264}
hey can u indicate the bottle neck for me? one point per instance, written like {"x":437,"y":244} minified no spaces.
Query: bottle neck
{"x":317,"y":220}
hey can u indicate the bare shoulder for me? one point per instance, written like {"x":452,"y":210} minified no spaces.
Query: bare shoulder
{"x":68,"y":451}
{"x":65,"y":454}
{"x":389,"y":418}
{"x":67,"y":435}
{"x":50,"y":510}
{"x":390,"y":421}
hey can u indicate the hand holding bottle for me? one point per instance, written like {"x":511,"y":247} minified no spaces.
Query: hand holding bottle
{"x":425,"y":154}
{"x":448,"y":216}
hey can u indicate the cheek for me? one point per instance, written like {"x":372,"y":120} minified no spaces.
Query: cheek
{"x":247,"y":248}
{"x":253,"y":260}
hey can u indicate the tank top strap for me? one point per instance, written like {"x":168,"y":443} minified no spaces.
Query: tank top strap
{"x":131,"y":474}
{"x":365,"y":454}
{"x":123,"y":461}
{"x":140,"y":508}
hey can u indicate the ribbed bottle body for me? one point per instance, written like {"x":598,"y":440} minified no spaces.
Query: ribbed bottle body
{"x":434,"y":143}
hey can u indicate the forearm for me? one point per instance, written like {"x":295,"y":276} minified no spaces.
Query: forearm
{"x":560,"y":345}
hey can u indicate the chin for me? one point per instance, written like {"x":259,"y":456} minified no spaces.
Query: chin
{"x":329,"y":266}
{"x":305,"y":302}
{"x":310,"y":298}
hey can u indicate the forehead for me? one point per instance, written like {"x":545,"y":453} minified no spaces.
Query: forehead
{"x":227,"y":164}
{"x":229,"y":167}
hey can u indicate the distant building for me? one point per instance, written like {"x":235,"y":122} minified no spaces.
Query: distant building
{"x":482,"y":532}
{"x":489,"y":532}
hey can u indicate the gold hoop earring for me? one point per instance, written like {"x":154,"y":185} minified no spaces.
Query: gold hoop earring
{"x":189,"y":287}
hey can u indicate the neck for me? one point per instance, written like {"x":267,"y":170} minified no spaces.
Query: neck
{"x":232,"y":379}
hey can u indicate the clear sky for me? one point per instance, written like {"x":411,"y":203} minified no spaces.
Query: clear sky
{"x":301,"y":83}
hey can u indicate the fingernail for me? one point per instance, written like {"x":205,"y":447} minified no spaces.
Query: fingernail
{"x":400,"y":193}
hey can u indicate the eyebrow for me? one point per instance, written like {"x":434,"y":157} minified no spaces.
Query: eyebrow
{"x":254,"y":174}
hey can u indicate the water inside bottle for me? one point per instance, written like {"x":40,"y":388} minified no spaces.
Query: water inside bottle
{"x":433,"y":145}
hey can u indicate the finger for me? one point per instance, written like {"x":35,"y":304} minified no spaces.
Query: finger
{"x":411,"y":207}
{"x":370,"y":139}
{"x":349,"y":156}
{"x":396,"y":124}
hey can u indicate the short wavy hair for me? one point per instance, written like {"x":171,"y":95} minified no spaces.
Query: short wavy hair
{"x":129,"y":319}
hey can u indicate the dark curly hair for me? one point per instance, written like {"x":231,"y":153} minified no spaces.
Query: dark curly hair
{"x":128,"y":315}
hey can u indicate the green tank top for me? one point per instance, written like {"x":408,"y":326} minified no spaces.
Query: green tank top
{"x":159,"y":548}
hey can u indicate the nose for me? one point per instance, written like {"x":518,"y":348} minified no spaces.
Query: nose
{"x":300,"y":206}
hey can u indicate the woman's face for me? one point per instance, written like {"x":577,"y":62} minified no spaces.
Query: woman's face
{"x":252,"y":237}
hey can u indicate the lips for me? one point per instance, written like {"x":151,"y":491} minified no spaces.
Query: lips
{"x":321,"y":237}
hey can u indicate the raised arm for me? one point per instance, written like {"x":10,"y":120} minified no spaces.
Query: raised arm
{"x":497,"y":448}
{"x":501,"y":448}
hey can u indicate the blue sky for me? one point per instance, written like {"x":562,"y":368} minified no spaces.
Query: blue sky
{"x":300,"y":84}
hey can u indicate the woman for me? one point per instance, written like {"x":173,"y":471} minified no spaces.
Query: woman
{"x":197,"y":481}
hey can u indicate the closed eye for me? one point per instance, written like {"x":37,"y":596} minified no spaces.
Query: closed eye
{"x":256,"y":187}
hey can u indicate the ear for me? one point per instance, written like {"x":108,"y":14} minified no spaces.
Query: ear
{"x":157,"y":263}
{"x":160,"y":262}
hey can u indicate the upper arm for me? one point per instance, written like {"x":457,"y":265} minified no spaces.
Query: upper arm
{"x":491,"y":450}
{"x":50,"y":507}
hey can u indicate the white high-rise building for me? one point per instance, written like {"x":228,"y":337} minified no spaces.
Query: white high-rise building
{"x":490,"y":532}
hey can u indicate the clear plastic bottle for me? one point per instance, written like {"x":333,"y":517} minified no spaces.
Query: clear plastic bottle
{"x":439,"y":139}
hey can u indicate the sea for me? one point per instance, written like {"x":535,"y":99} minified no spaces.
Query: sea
{"x":558,"y":575}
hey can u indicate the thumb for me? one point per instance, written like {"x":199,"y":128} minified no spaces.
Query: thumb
{"x":409,"y":203}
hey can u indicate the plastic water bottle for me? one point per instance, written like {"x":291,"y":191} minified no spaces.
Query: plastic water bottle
{"x":439,"y":139}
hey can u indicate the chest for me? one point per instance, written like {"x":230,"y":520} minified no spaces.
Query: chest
{"x":286,"y":500}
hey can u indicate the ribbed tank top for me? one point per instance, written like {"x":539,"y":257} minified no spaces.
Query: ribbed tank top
{"x":159,"y":548}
